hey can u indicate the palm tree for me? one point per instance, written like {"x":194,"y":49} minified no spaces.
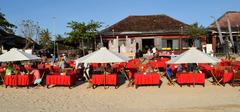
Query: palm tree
{"x":45,"y":38}
{"x":196,"y":32}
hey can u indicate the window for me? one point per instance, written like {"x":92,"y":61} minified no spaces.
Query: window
{"x":169,"y":44}
{"x":186,"y":43}
{"x":175,"y":44}
{"x":197,"y":43}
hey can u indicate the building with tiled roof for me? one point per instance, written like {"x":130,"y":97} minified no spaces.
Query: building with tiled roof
{"x":234,"y":18}
{"x":162,"y":31}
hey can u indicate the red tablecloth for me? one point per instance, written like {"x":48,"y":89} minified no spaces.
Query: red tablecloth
{"x":157,"y":64}
{"x":63,"y":80}
{"x":131,"y":65}
{"x":18,"y":80}
{"x":227,"y":77}
{"x":190,"y":78}
{"x":146,"y":79}
{"x":206,"y":67}
{"x":98,"y":79}
{"x":236,"y":65}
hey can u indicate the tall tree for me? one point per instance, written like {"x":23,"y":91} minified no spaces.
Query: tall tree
{"x":5,"y":25}
{"x":195,"y":32}
{"x":82,"y":31}
{"x":29,"y":29}
{"x":59,"y":37}
{"x":45,"y":38}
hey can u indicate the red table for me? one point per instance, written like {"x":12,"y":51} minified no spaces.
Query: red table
{"x":61,"y":80}
{"x":236,"y":65}
{"x":190,"y":78}
{"x":146,"y":79}
{"x":18,"y":80}
{"x":227,"y":77}
{"x":157,"y":64}
{"x":101,"y":79}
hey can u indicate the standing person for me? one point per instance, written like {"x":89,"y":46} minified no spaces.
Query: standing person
{"x":169,"y":71}
{"x":53,"y":59}
{"x":44,"y":59}
{"x":62,"y":64}
{"x":65,"y":57}
{"x":154,"y":51}
{"x":228,"y":46}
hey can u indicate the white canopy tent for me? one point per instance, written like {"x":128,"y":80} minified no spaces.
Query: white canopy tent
{"x":193,"y":56}
{"x":16,"y":55}
{"x":103,"y":55}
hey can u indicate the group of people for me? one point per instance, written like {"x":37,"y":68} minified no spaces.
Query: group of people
{"x":85,"y":71}
{"x":19,"y":69}
{"x":191,"y":67}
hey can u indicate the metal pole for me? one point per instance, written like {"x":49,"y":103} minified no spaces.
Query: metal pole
{"x":54,"y":36}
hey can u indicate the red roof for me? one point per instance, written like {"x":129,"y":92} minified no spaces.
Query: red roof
{"x":234,"y":18}
{"x":150,"y":24}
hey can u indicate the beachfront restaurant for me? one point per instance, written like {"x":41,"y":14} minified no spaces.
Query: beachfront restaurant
{"x":161,"y":31}
{"x":234,"y":22}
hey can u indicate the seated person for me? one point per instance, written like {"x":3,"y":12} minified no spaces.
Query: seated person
{"x":196,"y":68}
{"x":99,"y":69}
{"x":109,"y":69}
{"x":149,"y":69}
{"x":22,"y":69}
{"x":36,"y":74}
{"x":51,"y":69}
{"x":190,"y":67}
{"x":9,"y":69}
{"x":169,"y":71}
{"x":180,"y":68}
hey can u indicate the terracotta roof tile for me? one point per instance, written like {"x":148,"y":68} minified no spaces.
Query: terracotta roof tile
{"x":234,"y":18}
{"x":150,"y":23}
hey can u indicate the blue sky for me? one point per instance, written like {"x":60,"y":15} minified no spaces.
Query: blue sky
{"x":111,"y":11}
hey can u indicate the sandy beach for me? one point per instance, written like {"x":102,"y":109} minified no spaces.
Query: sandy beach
{"x":146,"y":98}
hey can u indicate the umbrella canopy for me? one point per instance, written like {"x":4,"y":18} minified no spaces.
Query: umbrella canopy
{"x":193,"y":56}
{"x":16,"y":55}
{"x":102,"y":56}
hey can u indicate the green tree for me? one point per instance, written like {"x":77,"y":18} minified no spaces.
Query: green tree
{"x":196,"y":32}
{"x":59,"y":37}
{"x":45,"y":38}
{"x":5,"y":25}
{"x":82,"y":32}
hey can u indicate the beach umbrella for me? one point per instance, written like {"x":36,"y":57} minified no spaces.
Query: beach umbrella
{"x":193,"y":56}
{"x":103,"y":55}
{"x":16,"y":55}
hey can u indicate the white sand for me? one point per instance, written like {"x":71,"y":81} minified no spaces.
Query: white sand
{"x":144,"y":99}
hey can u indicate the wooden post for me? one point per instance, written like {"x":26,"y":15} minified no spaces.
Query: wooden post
{"x":214,"y":42}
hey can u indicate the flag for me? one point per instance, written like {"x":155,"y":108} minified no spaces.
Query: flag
{"x":219,"y":31}
{"x":230,"y":31}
